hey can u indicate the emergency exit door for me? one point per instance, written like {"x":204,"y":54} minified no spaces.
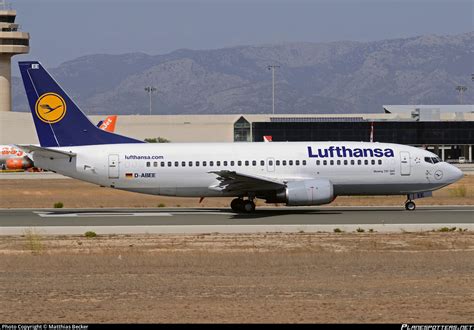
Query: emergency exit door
{"x":405,"y":168}
{"x":113,"y":166}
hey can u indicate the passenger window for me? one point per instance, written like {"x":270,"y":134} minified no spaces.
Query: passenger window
{"x":304,"y":162}
{"x":284,"y":163}
{"x":373,"y":161}
{"x":162,"y":164}
{"x":176,"y":164}
{"x":155,"y":164}
{"x":359,"y":162}
{"x":297,"y":162}
{"x":290,"y":162}
{"x":232,"y":163}
{"x":345,"y":162}
{"x":246,"y":163}
{"x":325,"y":162}
{"x":211,"y":163}
{"x":254,"y":163}
{"x":239,"y":163}
{"x":204,"y":163}
{"x":218,"y":163}
{"x":190,"y":164}
{"x":197,"y":163}
{"x":380,"y":162}
{"x":338,"y":162}
{"x":169,"y":164}
{"x":352,"y":162}
{"x":262,"y":163}
{"x":318,"y":162}
{"x":366,"y":162}
{"x":147,"y":164}
{"x":270,"y":162}
{"x":331,"y":162}
{"x":183,"y":164}
{"x":225,"y":162}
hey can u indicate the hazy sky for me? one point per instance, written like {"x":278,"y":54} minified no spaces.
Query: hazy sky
{"x":62,"y":30}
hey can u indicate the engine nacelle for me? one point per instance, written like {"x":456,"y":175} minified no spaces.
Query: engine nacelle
{"x":305,"y":193}
{"x":19,"y":163}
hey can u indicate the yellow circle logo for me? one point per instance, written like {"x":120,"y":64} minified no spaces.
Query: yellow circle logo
{"x":50,"y":108}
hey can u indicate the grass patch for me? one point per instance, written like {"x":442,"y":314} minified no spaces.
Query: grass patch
{"x":446,"y":229}
{"x":360,"y":230}
{"x":459,"y":191}
{"x":90,"y":234}
{"x":33,"y":241}
{"x":58,"y":205}
{"x":161,"y":205}
{"x":338,"y":230}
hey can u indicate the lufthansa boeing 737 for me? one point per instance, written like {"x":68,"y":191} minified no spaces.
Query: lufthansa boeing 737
{"x":294,"y":173}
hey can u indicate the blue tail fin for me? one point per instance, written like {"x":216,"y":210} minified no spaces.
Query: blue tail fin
{"x":59,"y":122}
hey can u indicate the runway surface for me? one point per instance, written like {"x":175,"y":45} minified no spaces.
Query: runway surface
{"x":200,"y":220}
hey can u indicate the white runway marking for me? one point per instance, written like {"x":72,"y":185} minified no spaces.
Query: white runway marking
{"x":96,"y":215}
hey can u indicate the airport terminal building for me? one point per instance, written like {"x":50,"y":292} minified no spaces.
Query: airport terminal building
{"x":447,"y":130}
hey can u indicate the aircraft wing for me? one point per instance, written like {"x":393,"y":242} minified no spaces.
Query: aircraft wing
{"x":233,"y":181}
{"x":46,"y":152}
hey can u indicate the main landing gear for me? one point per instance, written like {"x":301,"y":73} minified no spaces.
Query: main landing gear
{"x":240,"y":205}
{"x":409,"y":204}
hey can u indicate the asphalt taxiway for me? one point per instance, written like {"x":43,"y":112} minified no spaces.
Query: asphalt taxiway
{"x":206,"y":220}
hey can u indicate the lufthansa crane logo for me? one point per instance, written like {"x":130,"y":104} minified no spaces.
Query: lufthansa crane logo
{"x":50,"y":108}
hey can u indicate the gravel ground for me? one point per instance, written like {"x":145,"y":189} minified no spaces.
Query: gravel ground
{"x":268,"y":278}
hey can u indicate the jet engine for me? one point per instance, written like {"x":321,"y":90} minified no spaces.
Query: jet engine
{"x":18,"y":163}
{"x":305,"y":193}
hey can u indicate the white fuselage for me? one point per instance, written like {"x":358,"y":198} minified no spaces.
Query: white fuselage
{"x":183,"y":169}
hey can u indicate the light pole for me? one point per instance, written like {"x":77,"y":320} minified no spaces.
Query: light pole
{"x":273,"y":67}
{"x":150,"y":90}
{"x":461,"y":89}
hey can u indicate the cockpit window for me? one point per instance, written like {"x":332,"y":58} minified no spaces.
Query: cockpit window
{"x":432,"y":160}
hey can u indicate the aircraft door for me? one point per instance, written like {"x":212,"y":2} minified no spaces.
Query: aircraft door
{"x":113,"y":166}
{"x":405,"y":168}
{"x":270,"y":165}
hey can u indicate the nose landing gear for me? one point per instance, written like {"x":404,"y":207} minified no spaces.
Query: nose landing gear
{"x":240,"y":205}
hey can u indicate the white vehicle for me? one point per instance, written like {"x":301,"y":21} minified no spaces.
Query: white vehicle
{"x":295,"y":173}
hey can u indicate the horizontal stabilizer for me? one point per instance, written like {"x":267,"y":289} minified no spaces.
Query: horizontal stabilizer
{"x":46,"y":152}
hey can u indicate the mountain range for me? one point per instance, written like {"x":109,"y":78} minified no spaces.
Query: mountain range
{"x":334,"y":77}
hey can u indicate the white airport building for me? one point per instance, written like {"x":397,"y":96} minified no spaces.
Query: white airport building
{"x":448,"y":130}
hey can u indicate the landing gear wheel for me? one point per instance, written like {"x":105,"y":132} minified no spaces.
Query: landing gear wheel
{"x":410,"y":206}
{"x":237,"y":204}
{"x":249,"y":207}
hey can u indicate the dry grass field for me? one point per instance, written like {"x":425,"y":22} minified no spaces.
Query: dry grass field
{"x":252,"y":278}
{"x":74,"y":193}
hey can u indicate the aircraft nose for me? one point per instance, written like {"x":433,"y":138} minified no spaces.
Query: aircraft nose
{"x":455,"y":173}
